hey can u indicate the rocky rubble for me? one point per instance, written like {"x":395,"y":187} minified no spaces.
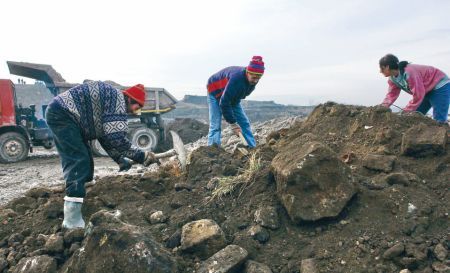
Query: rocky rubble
{"x":334,"y":193}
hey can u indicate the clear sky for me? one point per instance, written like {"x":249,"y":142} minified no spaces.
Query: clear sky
{"x":315,"y":51}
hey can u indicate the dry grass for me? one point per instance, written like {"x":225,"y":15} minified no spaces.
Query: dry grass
{"x":228,"y":185}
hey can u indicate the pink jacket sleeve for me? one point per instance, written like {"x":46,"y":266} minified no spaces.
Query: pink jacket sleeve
{"x":417,"y":88}
{"x":392,"y":95}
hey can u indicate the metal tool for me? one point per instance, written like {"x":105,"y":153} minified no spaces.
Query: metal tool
{"x":178,"y":149}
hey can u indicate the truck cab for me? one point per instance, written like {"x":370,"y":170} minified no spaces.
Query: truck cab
{"x":20,"y":130}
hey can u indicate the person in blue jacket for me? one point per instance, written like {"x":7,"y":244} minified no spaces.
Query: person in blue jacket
{"x":226,"y":89}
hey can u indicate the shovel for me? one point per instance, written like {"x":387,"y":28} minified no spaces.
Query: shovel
{"x":178,"y":149}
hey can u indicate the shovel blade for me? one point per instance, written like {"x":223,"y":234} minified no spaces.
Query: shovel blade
{"x":178,"y":146}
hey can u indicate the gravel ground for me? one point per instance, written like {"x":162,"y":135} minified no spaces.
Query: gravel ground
{"x":42,"y":169}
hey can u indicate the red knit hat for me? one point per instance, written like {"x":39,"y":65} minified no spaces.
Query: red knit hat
{"x":137,"y":93}
{"x":256,"y":65}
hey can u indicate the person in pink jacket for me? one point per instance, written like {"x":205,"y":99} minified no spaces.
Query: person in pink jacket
{"x":429,"y":86}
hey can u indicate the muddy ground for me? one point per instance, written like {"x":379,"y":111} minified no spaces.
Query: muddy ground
{"x":398,"y":218}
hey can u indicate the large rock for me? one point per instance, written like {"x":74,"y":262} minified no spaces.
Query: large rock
{"x":228,"y":260}
{"x":37,"y":264}
{"x":382,"y":163}
{"x":203,"y":238}
{"x":114,"y":246}
{"x":422,"y":140}
{"x":312,"y":182}
{"x":55,"y":243}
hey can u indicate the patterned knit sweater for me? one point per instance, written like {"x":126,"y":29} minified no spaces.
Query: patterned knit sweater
{"x":100,"y":111}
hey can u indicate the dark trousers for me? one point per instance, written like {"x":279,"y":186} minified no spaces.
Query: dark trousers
{"x":74,"y":151}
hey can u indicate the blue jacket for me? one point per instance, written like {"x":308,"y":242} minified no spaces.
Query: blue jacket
{"x":100,"y":111}
{"x":229,"y":86}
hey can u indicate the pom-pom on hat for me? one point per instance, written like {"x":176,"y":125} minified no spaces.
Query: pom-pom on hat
{"x":256,"y":65}
{"x":137,"y":93}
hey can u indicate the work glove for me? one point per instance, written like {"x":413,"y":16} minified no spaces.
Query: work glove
{"x":149,"y":158}
{"x":125,"y":164}
{"x":236,"y":129}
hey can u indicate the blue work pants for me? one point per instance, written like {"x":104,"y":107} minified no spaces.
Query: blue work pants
{"x":75,"y":152}
{"x":439,"y":99}
{"x":215,"y":122}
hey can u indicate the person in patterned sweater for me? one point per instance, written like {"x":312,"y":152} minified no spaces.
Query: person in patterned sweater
{"x":92,"y":110}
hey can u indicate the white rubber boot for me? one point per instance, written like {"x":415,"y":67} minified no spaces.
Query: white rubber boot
{"x":72,"y":213}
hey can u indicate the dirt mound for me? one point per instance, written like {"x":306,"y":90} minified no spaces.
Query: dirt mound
{"x":397,"y":219}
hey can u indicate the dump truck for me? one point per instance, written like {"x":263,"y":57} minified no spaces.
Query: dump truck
{"x":20,"y":129}
{"x":146,"y":130}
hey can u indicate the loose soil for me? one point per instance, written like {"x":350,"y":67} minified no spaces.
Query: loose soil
{"x":378,"y":217}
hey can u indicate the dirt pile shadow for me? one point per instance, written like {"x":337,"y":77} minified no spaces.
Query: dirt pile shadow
{"x":396,"y":218}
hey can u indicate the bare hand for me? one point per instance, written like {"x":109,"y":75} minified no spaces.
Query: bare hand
{"x":149,"y":159}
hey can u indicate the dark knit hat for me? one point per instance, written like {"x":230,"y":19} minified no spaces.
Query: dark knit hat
{"x":256,"y":65}
{"x":137,"y":93}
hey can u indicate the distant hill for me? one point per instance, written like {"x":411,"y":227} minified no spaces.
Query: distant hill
{"x":196,"y":107}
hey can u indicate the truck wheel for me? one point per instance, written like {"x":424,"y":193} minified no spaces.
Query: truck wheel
{"x":48,"y":144}
{"x":144,"y":138}
{"x":97,"y":148}
{"x":13,"y":147}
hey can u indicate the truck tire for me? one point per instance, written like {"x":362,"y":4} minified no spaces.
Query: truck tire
{"x":97,"y":148}
{"x":48,"y":144}
{"x":14,"y":147}
{"x":144,"y":138}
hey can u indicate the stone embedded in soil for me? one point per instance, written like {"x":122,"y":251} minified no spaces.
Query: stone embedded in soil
{"x":440,"y":252}
{"x":55,"y":244}
{"x":15,"y":238}
{"x":202,"y":237}
{"x":157,"y":217}
{"x":39,"y":192}
{"x":74,"y":247}
{"x":37,"y":264}
{"x":259,"y":234}
{"x":312,"y":182}
{"x":74,"y":235}
{"x":440,"y":267}
{"x":23,"y":204}
{"x":401,"y":178}
{"x":308,"y":266}
{"x":267,"y":217}
{"x":182,"y":186}
{"x":417,"y":251}
{"x":53,"y":209}
{"x":422,"y":140}
{"x":174,"y":239}
{"x":405,"y":271}
{"x":379,"y":162}
{"x":111,"y":244}
{"x":255,"y":267}
{"x":3,"y":264}
{"x":227,"y":260}
{"x":394,"y":251}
